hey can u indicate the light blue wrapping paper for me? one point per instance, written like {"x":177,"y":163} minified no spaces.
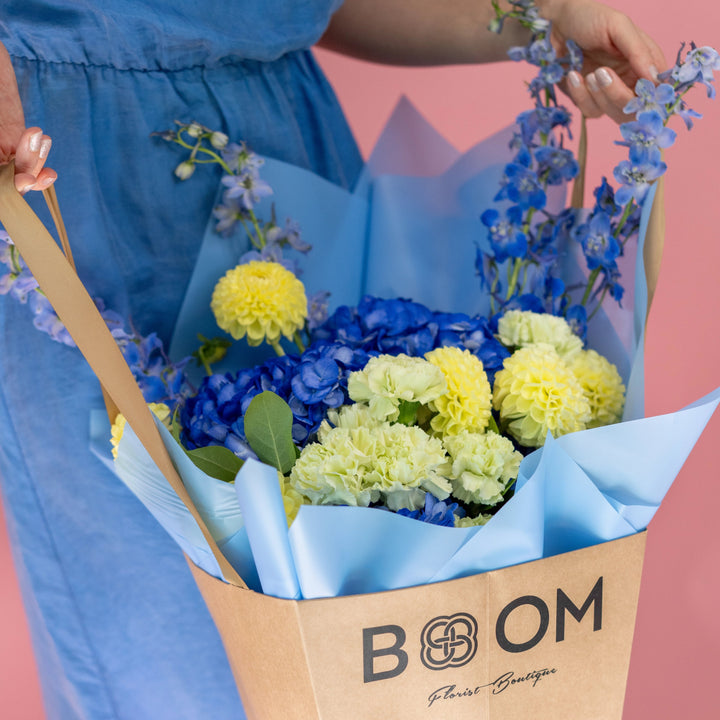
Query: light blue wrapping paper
{"x":409,"y":230}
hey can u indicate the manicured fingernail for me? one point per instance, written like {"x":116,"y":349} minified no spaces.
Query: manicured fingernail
{"x":35,"y":140}
{"x":26,"y":188}
{"x":653,"y":73}
{"x":45,"y":148}
{"x":45,"y":184}
{"x":591,"y":82}
{"x":603,"y":77}
{"x":574,"y":79}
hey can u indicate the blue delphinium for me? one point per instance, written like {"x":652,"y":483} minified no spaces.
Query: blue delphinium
{"x":542,"y":161}
{"x":598,"y":243}
{"x":505,"y":234}
{"x":159,"y":379}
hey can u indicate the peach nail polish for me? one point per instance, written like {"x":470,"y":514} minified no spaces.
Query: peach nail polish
{"x":35,"y":141}
{"x":45,"y":148}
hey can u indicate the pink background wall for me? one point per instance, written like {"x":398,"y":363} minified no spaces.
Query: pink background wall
{"x":675,"y":657}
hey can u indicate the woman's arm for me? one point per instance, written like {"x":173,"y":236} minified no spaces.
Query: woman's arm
{"x":429,"y":32}
{"x":28,"y":146}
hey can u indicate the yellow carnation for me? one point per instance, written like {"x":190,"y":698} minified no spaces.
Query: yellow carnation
{"x":161,"y":412}
{"x":466,"y":404}
{"x":536,"y":393}
{"x":520,"y":328}
{"x":602,"y":385}
{"x":259,"y":299}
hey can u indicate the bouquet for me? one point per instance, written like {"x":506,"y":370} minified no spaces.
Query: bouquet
{"x":438,"y":424}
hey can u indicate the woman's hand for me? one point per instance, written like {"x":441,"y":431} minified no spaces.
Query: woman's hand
{"x":28,"y":146}
{"x":430,"y":32}
{"x":616,"y":54}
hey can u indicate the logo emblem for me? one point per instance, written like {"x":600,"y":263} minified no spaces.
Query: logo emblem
{"x":449,"y":641}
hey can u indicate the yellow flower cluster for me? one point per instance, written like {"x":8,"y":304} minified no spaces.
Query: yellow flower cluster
{"x":161,"y":412}
{"x":467,"y":402}
{"x":602,"y":385}
{"x":260,"y":300}
{"x":536,"y":393}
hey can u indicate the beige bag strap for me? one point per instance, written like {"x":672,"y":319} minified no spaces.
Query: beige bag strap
{"x":55,"y":275}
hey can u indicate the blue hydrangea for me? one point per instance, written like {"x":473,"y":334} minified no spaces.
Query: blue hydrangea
{"x":310,"y":384}
{"x":435,"y":512}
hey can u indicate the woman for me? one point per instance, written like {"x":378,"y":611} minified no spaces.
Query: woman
{"x":113,"y":638}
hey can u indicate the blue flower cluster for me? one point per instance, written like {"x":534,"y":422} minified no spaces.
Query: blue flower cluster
{"x":435,"y":512}
{"x":158,"y":378}
{"x":310,"y":383}
{"x":524,"y":235}
{"x":402,"y":326}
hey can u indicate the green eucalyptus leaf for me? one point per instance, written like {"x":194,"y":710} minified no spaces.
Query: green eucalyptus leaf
{"x":217,"y":461}
{"x":268,"y":429}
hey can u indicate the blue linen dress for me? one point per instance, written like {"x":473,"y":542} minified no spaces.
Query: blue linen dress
{"x":113,"y":640}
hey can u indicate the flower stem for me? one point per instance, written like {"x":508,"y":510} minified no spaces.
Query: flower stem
{"x":623,"y":218}
{"x":299,"y":342}
{"x":277,"y":348}
{"x":513,"y":280}
{"x":591,"y":283}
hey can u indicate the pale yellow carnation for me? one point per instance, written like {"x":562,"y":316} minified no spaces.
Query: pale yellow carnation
{"x":466,"y":404}
{"x":260,"y":300}
{"x":348,"y":416}
{"x":483,"y":466}
{"x":292,"y":499}
{"x":520,"y":328}
{"x":536,"y":393}
{"x":387,"y":380}
{"x":467,"y":522}
{"x":394,"y":464}
{"x":602,"y":385}
{"x":161,"y":412}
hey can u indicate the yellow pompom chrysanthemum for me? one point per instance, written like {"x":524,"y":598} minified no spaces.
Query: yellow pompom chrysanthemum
{"x":161,"y":412}
{"x":466,"y":404}
{"x":603,"y":387}
{"x":536,"y":392}
{"x":260,"y":300}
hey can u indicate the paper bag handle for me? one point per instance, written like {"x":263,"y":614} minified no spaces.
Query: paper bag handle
{"x":78,"y":312}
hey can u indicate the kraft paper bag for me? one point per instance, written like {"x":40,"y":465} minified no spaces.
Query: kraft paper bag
{"x":548,"y":640}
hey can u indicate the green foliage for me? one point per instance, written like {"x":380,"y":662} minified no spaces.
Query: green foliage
{"x":268,"y":429}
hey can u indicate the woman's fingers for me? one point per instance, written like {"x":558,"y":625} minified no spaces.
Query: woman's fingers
{"x":577,"y":89}
{"x":30,"y":156}
{"x":609,"y":93}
